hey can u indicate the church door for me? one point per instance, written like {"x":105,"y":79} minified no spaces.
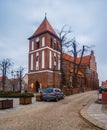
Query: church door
{"x":37,"y":86}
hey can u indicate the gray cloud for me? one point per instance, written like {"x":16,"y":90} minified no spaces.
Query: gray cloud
{"x":19,"y":19}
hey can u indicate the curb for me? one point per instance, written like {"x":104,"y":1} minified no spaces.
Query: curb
{"x":100,"y":102}
{"x":93,"y":121}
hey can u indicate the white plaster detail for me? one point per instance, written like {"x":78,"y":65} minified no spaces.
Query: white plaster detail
{"x":43,"y":41}
{"x":31,"y":62}
{"x":55,"y":54}
{"x":50,"y":59}
{"x":44,"y":49}
{"x":37,"y":54}
{"x":40,"y":71}
{"x":43,"y":59}
{"x":32,"y":45}
{"x":58,"y":62}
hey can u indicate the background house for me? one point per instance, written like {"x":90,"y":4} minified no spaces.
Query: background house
{"x":8,"y":85}
{"x":104,"y":83}
{"x":16,"y":83}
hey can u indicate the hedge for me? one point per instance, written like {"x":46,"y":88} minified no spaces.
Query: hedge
{"x":15,"y":95}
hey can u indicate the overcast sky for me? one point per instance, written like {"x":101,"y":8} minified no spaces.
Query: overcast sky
{"x":20,"y":18}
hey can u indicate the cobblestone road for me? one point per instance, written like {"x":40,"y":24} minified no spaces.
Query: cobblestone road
{"x":61,"y":115}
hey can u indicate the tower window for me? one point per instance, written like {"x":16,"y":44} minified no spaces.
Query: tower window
{"x":57,"y":46}
{"x":51,"y":42}
{"x":54,"y":62}
{"x":32,"y":45}
{"x":37,"y":58}
{"x":54,"y":40}
{"x":37,"y":45}
{"x":54,"y":59}
{"x":37,"y":61}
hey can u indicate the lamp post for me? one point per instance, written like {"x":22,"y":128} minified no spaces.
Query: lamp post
{"x":17,"y":73}
{"x":14,"y":74}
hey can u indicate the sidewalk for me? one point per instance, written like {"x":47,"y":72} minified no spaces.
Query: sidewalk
{"x":95,"y":114}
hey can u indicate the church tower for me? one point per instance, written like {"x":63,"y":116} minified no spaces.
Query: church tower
{"x":44,"y":58}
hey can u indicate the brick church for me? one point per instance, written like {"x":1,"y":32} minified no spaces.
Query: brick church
{"x":44,"y":62}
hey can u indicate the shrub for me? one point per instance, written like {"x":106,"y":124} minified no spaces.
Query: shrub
{"x":15,"y":95}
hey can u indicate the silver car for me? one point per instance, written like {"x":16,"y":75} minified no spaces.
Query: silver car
{"x":52,"y":94}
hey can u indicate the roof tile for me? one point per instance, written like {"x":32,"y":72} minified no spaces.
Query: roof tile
{"x":44,"y":26}
{"x":0,"y":78}
{"x":85,"y":59}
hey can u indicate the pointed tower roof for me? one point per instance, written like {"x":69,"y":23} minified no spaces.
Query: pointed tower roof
{"x":44,"y":27}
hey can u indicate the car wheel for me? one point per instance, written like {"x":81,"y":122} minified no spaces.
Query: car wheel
{"x":47,"y":100}
{"x":62,"y":97}
{"x":56,"y":99}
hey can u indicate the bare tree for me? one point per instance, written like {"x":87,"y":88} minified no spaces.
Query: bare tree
{"x":5,"y":65}
{"x":63,"y":36}
{"x":72,"y":47}
{"x":19,"y":75}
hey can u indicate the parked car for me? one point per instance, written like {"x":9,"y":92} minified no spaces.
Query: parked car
{"x":102,"y":89}
{"x":52,"y":94}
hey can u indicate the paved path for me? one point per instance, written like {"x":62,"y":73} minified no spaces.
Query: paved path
{"x":61,"y":115}
{"x":95,"y":114}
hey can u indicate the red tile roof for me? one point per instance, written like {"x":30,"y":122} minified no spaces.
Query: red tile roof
{"x":0,"y":78}
{"x":44,"y":26}
{"x":104,"y":83}
{"x":85,"y":59}
{"x":67,"y":57}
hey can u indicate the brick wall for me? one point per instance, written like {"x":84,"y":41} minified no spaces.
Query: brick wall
{"x":45,"y":79}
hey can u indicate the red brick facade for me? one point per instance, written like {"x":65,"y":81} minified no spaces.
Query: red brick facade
{"x":87,"y":75}
{"x":44,"y":58}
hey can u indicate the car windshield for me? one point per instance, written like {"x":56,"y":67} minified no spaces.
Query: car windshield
{"x":48,"y":90}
